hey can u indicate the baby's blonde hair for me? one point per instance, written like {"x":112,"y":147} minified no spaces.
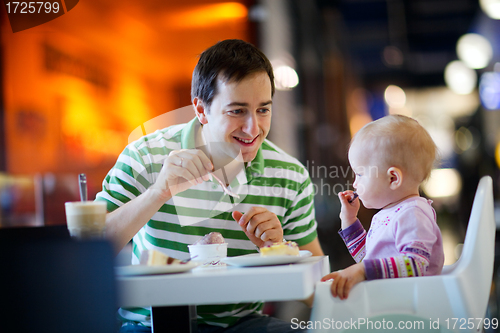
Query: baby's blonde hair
{"x":401,"y":142}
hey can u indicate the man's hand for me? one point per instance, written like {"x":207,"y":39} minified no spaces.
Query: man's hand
{"x":345,"y":279}
{"x":349,"y":210}
{"x":183,"y":169}
{"x":260,"y":225}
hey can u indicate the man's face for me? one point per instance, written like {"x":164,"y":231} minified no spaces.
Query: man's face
{"x":240,"y":113}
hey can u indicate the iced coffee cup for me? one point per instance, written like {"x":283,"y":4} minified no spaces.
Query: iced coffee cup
{"x":86,"y":219}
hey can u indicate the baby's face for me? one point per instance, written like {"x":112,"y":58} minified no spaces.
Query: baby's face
{"x":371,"y":178}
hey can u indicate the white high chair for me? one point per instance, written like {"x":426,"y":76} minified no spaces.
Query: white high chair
{"x":454,"y":301}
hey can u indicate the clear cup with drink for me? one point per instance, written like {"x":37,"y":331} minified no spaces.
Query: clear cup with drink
{"x":86,"y":219}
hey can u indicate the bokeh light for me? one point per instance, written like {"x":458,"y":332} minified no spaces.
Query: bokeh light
{"x":392,"y":56}
{"x":464,"y":138}
{"x":474,"y":50}
{"x":285,"y":77}
{"x":460,"y":78}
{"x":395,"y":96}
{"x":489,"y":90}
{"x":443,"y":183}
{"x":497,"y":154}
{"x":491,"y":8}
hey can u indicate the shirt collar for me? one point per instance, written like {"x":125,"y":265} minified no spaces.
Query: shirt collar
{"x":188,"y":135}
{"x":255,"y":168}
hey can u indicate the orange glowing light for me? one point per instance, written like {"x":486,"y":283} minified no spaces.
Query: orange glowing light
{"x":133,"y":105}
{"x":206,"y":15}
{"x":497,"y":154}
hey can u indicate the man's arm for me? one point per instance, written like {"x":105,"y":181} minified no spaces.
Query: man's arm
{"x":314,"y":247}
{"x":181,"y":170}
{"x":123,"y":223}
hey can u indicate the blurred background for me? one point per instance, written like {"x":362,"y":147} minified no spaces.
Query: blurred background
{"x":76,"y":89}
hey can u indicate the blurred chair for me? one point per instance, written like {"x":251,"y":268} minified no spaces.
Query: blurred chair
{"x":55,"y":284}
{"x":26,"y":234}
{"x":454,"y":300}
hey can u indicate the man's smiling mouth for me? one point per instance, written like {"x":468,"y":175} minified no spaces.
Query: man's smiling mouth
{"x":246,"y":141}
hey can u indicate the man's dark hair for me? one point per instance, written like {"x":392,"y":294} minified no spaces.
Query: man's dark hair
{"x":231,"y":59}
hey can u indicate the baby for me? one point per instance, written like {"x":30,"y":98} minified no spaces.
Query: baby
{"x":390,"y":157}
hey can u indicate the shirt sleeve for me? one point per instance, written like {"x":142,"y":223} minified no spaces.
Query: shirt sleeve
{"x":354,"y":238}
{"x":414,"y":239}
{"x":126,"y":180}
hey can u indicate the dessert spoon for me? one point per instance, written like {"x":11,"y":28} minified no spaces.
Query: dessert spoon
{"x":224,"y":187}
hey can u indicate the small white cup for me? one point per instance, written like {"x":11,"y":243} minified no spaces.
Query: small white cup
{"x":86,"y":219}
{"x":208,"y":254}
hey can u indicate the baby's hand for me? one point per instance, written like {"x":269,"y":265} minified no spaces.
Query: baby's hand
{"x":349,"y":210}
{"x":344,"y":280}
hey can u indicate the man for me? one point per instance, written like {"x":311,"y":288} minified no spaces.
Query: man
{"x":160,"y":192}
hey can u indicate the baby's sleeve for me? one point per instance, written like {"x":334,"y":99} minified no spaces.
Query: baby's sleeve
{"x":354,"y":238}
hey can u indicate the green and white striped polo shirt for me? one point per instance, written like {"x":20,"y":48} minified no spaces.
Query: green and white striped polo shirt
{"x":273,"y":180}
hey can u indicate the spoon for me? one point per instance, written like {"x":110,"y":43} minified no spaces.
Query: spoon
{"x":224,"y":187}
{"x":187,"y":260}
{"x":354,"y":196}
{"x":82,"y":178}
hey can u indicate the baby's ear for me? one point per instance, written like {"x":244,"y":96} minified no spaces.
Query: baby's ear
{"x":395,"y":177}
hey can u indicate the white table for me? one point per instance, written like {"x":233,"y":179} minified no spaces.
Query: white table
{"x":219,"y":285}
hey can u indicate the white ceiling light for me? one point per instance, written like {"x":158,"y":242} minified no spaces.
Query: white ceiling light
{"x":443,"y":183}
{"x":460,"y":78}
{"x":285,"y":77}
{"x":491,"y":8}
{"x":395,"y":96}
{"x":474,"y":50}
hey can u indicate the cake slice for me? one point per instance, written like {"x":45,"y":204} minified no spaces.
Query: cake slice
{"x":156,"y":258}
{"x":288,"y":248}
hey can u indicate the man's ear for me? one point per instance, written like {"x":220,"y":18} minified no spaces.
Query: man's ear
{"x":200,"y":110}
{"x":395,"y":177}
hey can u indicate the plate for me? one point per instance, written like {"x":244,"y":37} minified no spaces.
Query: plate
{"x":255,"y":259}
{"x":130,"y":270}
